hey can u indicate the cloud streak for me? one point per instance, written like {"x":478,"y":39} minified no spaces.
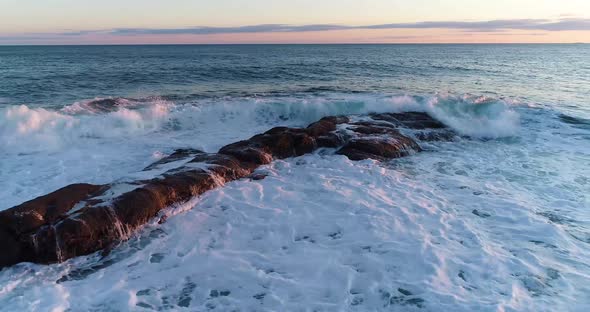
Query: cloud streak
{"x":562,"y":24}
{"x":465,"y":28}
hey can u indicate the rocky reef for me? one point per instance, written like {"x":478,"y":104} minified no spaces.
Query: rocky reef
{"x":80,"y":219}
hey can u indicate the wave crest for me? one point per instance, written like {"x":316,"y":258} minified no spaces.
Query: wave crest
{"x":24,"y":129}
{"x":31,"y":129}
{"x":477,"y":116}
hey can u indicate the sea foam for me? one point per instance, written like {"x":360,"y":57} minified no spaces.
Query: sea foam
{"x":492,"y":225}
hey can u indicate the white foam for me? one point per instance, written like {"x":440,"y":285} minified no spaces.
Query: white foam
{"x":467,"y":225}
{"x":323,"y":232}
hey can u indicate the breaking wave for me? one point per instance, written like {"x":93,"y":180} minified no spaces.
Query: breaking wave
{"x":29,"y":129}
{"x":422,"y":233}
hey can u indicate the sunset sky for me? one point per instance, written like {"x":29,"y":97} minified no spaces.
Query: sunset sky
{"x":295,"y":21}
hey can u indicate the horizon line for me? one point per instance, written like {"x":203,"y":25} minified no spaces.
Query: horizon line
{"x":294,"y":43}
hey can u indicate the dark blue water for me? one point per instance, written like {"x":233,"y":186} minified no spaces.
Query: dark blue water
{"x":61,"y":75}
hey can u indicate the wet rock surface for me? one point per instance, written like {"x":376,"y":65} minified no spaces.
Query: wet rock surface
{"x":178,"y":155}
{"x":80,"y":219}
{"x":379,"y":148}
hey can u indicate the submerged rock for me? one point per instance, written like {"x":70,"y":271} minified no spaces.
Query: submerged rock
{"x":80,"y":219}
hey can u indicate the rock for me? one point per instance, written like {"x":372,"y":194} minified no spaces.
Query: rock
{"x":178,"y":154}
{"x":244,"y":151}
{"x":105,"y":105}
{"x":379,"y":148}
{"x":47,"y":208}
{"x":16,"y":223}
{"x":225,"y":166}
{"x":326,"y":125}
{"x":278,"y":142}
{"x":80,"y":219}
{"x":440,"y":135}
{"x":381,"y":140}
{"x":11,"y":248}
{"x":257,"y":176}
{"x":324,"y":131}
{"x":411,"y":120}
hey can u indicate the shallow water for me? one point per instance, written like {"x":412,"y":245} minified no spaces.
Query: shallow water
{"x":495,"y":221}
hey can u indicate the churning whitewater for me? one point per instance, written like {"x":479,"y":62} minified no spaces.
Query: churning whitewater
{"x":485,"y":222}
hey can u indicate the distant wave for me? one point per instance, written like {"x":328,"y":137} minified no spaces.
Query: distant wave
{"x":576,"y":122}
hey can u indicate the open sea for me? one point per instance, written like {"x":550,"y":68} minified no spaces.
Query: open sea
{"x":498,"y":220}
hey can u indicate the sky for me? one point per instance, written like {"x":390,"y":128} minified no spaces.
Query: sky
{"x":293,"y":21}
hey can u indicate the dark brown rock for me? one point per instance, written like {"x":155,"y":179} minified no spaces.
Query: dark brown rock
{"x":374,"y":129}
{"x":411,"y":120}
{"x":249,"y":152}
{"x":323,"y":131}
{"x":48,"y":208}
{"x":276,"y":143}
{"x":325,"y":125}
{"x":379,"y":148}
{"x":82,"y":218}
{"x":331,"y":140}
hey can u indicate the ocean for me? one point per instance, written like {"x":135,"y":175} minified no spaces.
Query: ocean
{"x":498,"y":220}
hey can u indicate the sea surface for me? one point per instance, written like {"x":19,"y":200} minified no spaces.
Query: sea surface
{"x":498,"y":220}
